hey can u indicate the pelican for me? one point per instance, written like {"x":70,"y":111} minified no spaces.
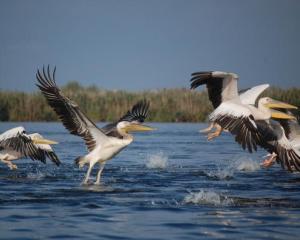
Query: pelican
{"x":102,"y":144}
{"x":236,"y":113}
{"x":247,"y":96}
{"x":282,"y":142}
{"x":16,"y":143}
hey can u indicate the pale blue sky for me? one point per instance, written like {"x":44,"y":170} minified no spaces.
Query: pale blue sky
{"x":139,"y":44}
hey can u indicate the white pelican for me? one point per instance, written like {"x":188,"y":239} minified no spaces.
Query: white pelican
{"x":16,"y":144}
{"x":234,"y":113}
{"x":103,"y":144}
{"x":282,"y":142}
{"x":247,"y":96}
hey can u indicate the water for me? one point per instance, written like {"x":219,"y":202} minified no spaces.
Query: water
{"x":169,"y":184}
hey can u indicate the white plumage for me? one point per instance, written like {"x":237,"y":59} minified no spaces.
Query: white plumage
{"x":16,"y":144}
{"x":103,"y":144}
{"x":237,"y":112}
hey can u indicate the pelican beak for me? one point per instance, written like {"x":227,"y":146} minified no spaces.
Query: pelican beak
{"x":280,"y":115}
{"x":277,"y":104}
{"x":138,"y":128}
{"x":43,"y":141}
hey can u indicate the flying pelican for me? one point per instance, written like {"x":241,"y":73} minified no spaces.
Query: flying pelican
{"x":247,"y":96}
{"x":282,"y":142}
{"x":231,"y":113}
{"x":16,"y":143}
{"x":103,"y":144}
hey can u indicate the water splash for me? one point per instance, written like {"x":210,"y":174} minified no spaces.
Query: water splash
{"x":240,"y":164}
{"x":157,"y":161}
{"x":37,"y":172}
{"x":208,"y":197}
{"x":222,"y":174}
{"x":37,"y":175}
{"x":247,"y":165}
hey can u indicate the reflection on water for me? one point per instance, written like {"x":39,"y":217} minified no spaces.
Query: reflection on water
{"x":169,"y":184}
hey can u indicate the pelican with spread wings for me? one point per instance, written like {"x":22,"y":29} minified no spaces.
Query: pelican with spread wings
{"x":103,"y":144}
{"x":16,"y":144}
{"x":237,"y":113}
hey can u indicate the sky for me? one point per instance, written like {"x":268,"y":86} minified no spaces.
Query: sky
{"x":149,"y":44}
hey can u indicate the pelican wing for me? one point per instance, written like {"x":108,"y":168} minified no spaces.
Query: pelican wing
{"x":221,"y":86}
{"x":291,"y":126}
{"x":287,"y":155}
{"x":250,"y":95}
{"x":276,"y":141}
{"x":68,"y":111}
{"x":287,"y":126}
{"x":240,"y":122}
{"x":47,"y":150}
{"x":137,"y":113}
{"x":17,"y":140}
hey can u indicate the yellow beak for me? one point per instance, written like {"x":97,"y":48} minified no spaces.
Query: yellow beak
{"x":281,"y":115}
{"x":277,"y":104}
{"x":43,"y":141}
{"x":138,"y":128}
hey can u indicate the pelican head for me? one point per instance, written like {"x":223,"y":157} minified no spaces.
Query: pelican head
{"x":272,"y":103}
{"x":134,"y":126}
{"x":38,"y":139}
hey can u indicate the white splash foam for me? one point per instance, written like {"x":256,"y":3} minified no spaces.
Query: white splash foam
{"x":207,"y":197}
{"x":247,"y":165}
{"x":37,"y":175}
{"x":225,"y":173}
{"x":240,"y":164}
{"x":157,"y":161}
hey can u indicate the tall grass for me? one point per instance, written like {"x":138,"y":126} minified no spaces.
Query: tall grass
{"x":167,"y":105}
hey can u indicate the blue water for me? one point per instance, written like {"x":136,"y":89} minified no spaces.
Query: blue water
{"x":168,"y":184}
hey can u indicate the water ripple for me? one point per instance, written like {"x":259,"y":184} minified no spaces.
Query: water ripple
{"x":169,"y":185}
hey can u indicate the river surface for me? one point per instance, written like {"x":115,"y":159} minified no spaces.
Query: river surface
{"x":168,"y":184}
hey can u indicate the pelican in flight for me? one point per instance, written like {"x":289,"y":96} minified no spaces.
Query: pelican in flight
{"x":237,"y":113}
{"x":102,"y":144}
{"x":282,"y":142}
{"x":16,"y":143}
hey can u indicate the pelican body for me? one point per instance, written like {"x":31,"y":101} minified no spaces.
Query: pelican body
{"x":16,"y":144}
{"x":102,"y":143}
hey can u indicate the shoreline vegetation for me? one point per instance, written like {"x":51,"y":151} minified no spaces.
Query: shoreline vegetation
{"x":167,"y":105}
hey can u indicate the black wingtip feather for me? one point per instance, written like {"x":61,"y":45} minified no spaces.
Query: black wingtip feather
{"x":139,"y":112}
{"x":53,"y":157}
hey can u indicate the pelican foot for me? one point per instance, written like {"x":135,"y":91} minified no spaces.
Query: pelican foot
{"x":208,"y":129}
{"x":268,"y":162}
{"x":213,"y":135}
{"x":12,"y":166}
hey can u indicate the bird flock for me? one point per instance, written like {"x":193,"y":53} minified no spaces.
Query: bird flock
{"x":264,"y":122}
